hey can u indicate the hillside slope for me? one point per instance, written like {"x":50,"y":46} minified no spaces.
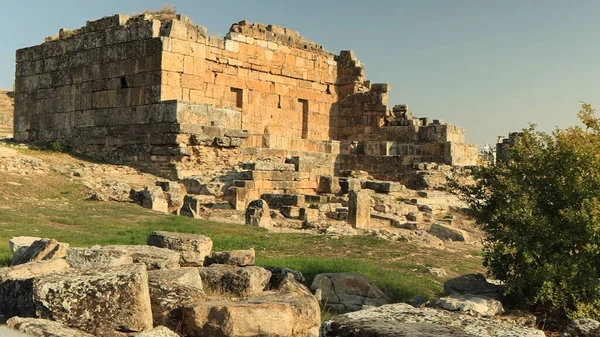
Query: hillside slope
{"x":7,"y":104}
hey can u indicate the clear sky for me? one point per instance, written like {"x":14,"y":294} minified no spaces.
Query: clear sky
{"x":488,"y":66}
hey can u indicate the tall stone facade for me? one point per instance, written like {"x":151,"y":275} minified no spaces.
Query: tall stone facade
{"x":156,"y":92}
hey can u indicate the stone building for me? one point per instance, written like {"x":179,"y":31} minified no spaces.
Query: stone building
{"x":156,"y":92}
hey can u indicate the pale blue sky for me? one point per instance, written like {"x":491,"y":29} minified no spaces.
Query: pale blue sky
{"x":488,"y":66}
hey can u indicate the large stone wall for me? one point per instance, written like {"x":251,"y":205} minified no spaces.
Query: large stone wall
{"x":157,"y":92}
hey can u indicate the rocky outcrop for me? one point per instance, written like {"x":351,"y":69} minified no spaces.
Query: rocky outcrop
{"x":159,"y":331}
{"x":583,"y":327}
{"x":18,"y":245}
{"x":343,"y":292}
{"x":445,"y":232}
{"x":396,"y":320}
{"x":43,"y":328}
{"x":193,"y":248}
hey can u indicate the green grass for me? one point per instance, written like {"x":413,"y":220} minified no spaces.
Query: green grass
{"x":61,"y":213}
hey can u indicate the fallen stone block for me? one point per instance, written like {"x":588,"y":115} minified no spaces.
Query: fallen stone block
{"x":309,"y":214}
{"x":290,"y":211}
{"x":18,"y":245}
{"x":91,"y":258}
{"x":258,"y":214}
{"x":154,"y":199}
{"x":402,"y":319}
{"x":240,"y":281}
{"x":191,"y":206}
{"x":278,"y":200}
{"x":171,"y":289}
{"x":193,"y":248}
{"x":344,"y":292}
{"x":476,"y":284}
{"x":412,"y":225}
{"x":471,"y":304}
{"x":43,"y":249}
{"x":16,"y":286}
{"x":104,"y":302}
{"x":349,"y":184}
{"x":240,"y":258}
{"x":43,"y":328}
{"x":159,"y":331}
{"x":359,"y":209}
{"x":445,"y":232}
{"x":152,"y":257}
{"x":175,"y":195}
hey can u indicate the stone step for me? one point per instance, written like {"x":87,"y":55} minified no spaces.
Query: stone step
{"x":281,"y":185}
{"x":383,"y":186}
{"x":278,"y":200}
{"x":268,"y":175}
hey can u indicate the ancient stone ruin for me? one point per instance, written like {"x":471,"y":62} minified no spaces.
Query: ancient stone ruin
{"x":156,"y":92}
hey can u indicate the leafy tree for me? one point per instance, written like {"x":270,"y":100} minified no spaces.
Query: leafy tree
{"x":540,"y":211}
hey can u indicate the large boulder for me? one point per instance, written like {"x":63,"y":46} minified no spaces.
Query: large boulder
{"x":96,"y":257}
{"x":475,"y":284}
{"x":16,"y":286}
{"x":258,"y":214}
{"x":583,"y":327}
{"x":471,"y":304}
{"x":173,"y":288}
{"x":446,"y":232}
{"x":153,"y":257}
{"x":107,"y":302}
{"x":43,"y":249}
{"x":280,"y":274}
{"x":240,"y":258}
{"x":193,"y":248}
{"x":343,"y":292}
{"x":290,"y":311}
{"x":400,"y":319}
{"x":43,"y":328}
{"x":221,"y":279}
{"x":19,"y":244}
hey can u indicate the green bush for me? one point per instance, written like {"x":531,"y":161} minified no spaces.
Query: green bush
{"x":540,"y":210}
{"x":59,"y":146}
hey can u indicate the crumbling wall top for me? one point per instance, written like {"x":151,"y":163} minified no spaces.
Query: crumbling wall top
{"x":274,"y":33}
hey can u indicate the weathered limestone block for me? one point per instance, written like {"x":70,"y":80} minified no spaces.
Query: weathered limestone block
{"x":350,"y":184}
{"x":471,"y":304}
{"x":290,"y":311}
{"x":159,"y":331}
{"x":309,"y":214}
{"x":383,"y":186}
{"x":175,"y":195}
{"x":279,"y":275}
{"x":153,"y":257}
{"x":171,"y":289}
{"x":233,"y":319}
{"x":267,"y":165}
{"x":91,"y":258}
{"x":104,"y":302}
{"x":18,"y":245}
{"x":240,"y":281}
{"x":359,"y":209}
{"x":154,"y":199}
{"x":290,"y":211}
{"x":240,"y":258}
{"x":278,"y":200}
{"x":16,"y":286}
{"x":196,"y":185}
{"x":258,"y":214}
{"x":582,"y":327}
{"x":402,"y":319}
{"x":329,"y":184}
{"x":191,"y":206}
{"x":193,"y":248}
{"x":303,"y":164}
{"x":43,"y":328}
{"x":345,"y":292}
{"x":445,"y":232}
{"x":44,"y":249}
